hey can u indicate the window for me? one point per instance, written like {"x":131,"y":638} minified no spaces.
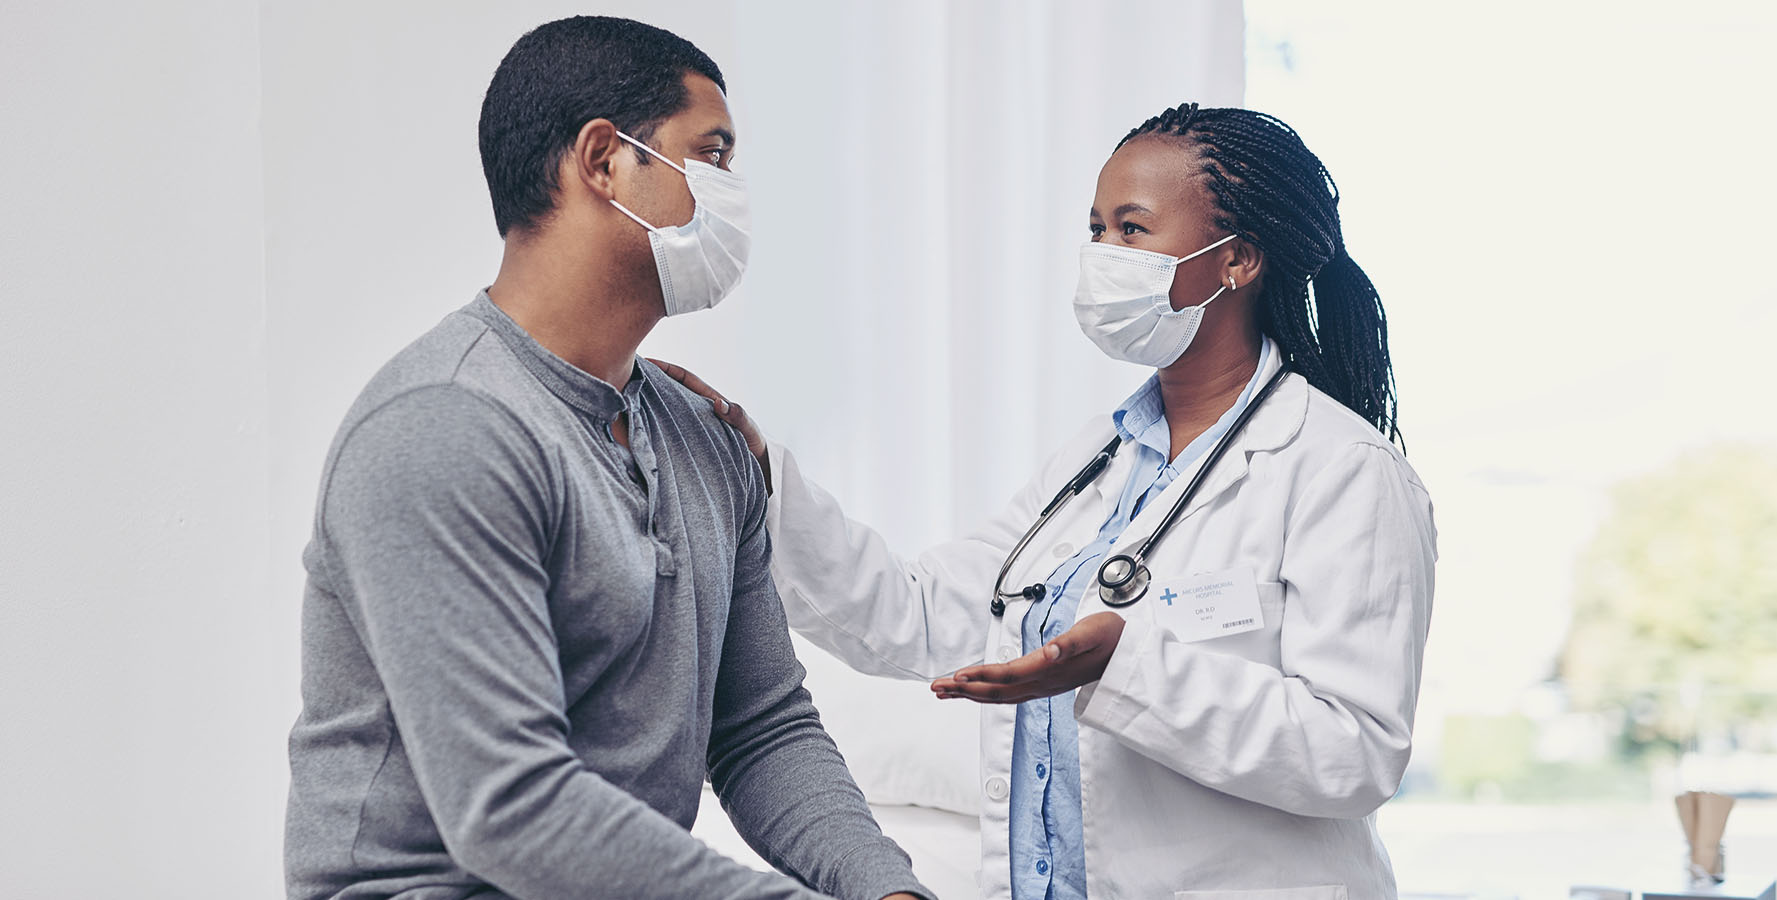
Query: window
{"x":1566,"y":209}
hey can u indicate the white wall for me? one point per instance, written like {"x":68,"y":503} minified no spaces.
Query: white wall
{"x":139,"y":723}
{"x":217,"y":220}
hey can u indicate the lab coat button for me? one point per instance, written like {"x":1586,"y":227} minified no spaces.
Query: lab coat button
{"x":1007,"y":654}
{"x":1064,"y":550}
{"x":996,"y":788}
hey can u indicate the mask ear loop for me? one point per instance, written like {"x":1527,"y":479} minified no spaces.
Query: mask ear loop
{"x":656,"y":154}
{"x":638,"y":219}
{"x":1220,"y":288}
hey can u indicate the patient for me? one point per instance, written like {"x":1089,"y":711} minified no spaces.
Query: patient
{"x":539,"y":612}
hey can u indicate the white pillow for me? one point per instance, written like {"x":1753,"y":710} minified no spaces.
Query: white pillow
{"x":904,"y":746}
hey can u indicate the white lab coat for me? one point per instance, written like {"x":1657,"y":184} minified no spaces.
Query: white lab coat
{"x":1246,"y":767}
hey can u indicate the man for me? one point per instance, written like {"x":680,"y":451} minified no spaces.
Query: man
{"x":539,"y":611}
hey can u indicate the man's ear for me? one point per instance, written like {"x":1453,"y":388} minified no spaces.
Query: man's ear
{"x":595,"y":147}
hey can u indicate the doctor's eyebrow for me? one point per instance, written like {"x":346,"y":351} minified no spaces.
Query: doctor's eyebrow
{"x":1128,"y":208}
{"x":723,"y":134}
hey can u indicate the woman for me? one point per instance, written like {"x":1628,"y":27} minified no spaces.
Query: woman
{"x":1231,"y":733}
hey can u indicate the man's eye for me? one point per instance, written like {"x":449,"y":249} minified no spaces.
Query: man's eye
{"x":1096,"y":230}
{"x":1130,"y":228}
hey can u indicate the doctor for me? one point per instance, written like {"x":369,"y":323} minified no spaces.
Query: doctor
{"x":1231,"y":730}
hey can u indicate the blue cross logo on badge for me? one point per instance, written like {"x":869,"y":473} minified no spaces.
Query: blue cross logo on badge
{"x":1169,"y":596}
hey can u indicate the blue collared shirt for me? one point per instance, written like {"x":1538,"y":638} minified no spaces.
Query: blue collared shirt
{"x":1047,"y":833}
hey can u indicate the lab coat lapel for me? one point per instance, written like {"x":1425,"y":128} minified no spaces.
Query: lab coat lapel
{"x":1271,"y":427}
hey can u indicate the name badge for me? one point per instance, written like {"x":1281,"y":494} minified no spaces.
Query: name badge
{"x":1210,"y":605}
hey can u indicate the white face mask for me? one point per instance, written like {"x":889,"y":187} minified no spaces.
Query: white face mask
{"x":702,"y":260}
{"x":1124,"y":307}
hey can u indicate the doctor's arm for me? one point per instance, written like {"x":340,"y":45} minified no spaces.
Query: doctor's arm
{"x":1330,"y":731}
{"x":847,"y":591}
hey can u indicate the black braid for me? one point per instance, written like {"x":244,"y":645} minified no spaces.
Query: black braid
{"x":1315,"y":302}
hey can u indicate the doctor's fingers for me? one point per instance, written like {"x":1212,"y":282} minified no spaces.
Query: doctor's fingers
{"x":1030,"y":665}
{"x":993,"y":693}
{"x":726,"y":410}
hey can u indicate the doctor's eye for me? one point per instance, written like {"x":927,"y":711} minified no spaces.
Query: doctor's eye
{"x":1096,"y":229}
{"x":1130,"y":228}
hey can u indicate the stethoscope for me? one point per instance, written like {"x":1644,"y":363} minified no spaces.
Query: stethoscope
{"x":1123,"y":579}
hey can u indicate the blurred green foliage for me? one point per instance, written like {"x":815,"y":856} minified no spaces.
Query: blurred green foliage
{"x":1492,"y":758}
{"x":1675,"y":611}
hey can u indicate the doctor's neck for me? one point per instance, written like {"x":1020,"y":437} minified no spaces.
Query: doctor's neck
{"x":1204,"y":383}
{"x":589,"y":302}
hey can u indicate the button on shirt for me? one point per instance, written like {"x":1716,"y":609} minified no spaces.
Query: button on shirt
{"x":1047,"y":832}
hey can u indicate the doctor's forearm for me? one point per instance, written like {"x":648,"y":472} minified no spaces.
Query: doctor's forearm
{"x":845,"y":589}
{"x":1245,"y":728}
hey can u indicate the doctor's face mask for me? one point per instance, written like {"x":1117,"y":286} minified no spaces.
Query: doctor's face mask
{"x":701,"y":261}
{"x":1124,"y":304}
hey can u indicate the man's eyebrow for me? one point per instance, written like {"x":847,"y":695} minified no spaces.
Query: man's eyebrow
{"x":723,"y":133}
{"x":1128,"y":208}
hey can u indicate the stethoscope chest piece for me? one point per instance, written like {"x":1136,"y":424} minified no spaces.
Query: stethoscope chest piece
{"x":1122,"y":581}
{"x":1123,"y":578}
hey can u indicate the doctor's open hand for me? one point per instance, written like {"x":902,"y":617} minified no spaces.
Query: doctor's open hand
{"x":1077,"y":657}
{"x":726,"y":410}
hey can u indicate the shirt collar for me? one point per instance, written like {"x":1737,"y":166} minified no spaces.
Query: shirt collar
{"x":1142,"y":417}
{"x":579,"y":389}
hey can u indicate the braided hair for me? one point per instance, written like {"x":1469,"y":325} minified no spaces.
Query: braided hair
{"x":1314,"y":301}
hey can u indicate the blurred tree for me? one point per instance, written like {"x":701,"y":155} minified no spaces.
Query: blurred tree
{"x":1675,"y":613}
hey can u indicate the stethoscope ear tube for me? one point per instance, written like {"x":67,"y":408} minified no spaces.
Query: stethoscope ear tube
{"x":1123,"y":579}
{"x":1074,"y":486}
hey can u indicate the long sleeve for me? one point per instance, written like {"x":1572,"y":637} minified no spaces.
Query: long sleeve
{"x":780,"y":777}
{"x":437,"y":515}
{"x":1329,"y":733}
{"x":917,"y":618}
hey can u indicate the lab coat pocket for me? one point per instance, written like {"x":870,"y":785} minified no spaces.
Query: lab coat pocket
{"x":1319,"y":892}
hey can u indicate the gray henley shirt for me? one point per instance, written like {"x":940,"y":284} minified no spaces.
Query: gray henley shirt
{"x":524,"y":648}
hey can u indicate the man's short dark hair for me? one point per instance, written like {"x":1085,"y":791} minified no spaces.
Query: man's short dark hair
{"x":561,"y":76}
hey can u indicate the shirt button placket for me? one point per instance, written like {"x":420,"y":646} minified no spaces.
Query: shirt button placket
{"x":997,"y":789}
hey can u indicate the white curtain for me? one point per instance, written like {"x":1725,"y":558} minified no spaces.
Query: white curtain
{"x":921,"y":175}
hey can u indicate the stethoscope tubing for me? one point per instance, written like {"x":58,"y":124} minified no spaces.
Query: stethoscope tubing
{"x":1132,"y":585}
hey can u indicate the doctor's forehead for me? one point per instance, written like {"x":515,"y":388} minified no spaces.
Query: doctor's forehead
{"x":1160,"y":174}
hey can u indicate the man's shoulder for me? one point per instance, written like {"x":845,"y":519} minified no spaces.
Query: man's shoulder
{"x":433,"y":359}
{"x":441,"y":390}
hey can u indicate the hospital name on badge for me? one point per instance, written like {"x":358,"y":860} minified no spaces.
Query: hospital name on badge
{"x":1209,"y":605}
